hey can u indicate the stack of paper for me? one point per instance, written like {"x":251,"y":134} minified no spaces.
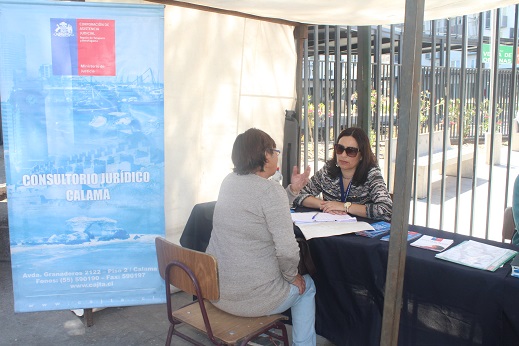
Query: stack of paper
{"x":327,"y":229}
{"x":432,"y":243}
{"x":477,"y":255}
{"x":310,"y":217}
{"x":318,"y":224}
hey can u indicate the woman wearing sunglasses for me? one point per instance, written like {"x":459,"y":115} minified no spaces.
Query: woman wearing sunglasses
{"x":351,"y":182}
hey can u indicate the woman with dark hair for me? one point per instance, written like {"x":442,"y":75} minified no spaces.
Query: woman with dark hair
{"x":254,"y":242}
{"x":350,"y":182}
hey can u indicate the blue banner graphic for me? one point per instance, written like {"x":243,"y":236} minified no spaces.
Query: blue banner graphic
{"x":83,"y":122}
{"x":64,"y":46}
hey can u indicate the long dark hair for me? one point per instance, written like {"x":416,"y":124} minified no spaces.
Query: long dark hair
{"x":368,"y":158}
{"x":248,"y":151}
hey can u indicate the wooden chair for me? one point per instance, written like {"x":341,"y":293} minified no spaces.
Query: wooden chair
{"x":508,"y":225}
{"x":196,"y":273}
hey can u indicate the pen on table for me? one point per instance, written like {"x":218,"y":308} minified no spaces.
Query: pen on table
{"x":313,"y":217}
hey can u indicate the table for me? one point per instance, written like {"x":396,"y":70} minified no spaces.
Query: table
{"x":443,"y":303}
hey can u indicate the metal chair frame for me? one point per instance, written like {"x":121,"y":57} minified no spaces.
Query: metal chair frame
{"x":201,"y":301}
{"x":508,"y":225}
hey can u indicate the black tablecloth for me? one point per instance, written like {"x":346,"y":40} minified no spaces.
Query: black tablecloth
{"x":443,"y":303}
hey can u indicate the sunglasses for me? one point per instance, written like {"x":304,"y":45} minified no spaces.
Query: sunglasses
{"x":350,"y":151}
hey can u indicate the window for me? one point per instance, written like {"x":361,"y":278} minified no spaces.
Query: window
{"x":488,"y":16}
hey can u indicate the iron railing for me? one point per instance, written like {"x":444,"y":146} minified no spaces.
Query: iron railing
{"x":466,"y":101}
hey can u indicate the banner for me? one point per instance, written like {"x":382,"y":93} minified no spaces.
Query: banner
{"x":506,"y":55}
{"x":83,"y":122}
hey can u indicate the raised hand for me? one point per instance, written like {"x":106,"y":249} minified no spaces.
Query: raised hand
{"x":299,"y":180}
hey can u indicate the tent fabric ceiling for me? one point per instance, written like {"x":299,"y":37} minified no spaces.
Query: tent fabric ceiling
{"x":355,"y":12}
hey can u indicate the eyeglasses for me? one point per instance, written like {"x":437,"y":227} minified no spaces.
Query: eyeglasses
{"x":350,"y":151}
{"x":277,"y":151}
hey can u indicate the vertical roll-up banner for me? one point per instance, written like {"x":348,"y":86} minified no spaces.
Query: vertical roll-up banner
{"x":83,"y":123}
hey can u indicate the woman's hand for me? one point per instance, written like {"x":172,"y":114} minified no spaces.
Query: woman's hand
{"x":298,"y":181}
{"x":333,"y":207}
{"x":300,"y":283}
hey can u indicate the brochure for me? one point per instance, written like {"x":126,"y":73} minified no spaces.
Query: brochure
{"x":515,"y":266}
{"x":477,"y":255}
{"x":410,"y":236}
{"x":432,"y":243}
{"x":379,"y":228}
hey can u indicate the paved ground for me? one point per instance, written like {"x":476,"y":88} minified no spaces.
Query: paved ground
{"x":125,"y":326}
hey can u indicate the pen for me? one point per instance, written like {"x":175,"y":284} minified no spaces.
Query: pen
{"x":313,"y":217}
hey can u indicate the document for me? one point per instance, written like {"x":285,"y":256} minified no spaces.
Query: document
{"x":477,"y":255}
{"x":432,"y":243}
{"x":327,"y":229}
{"x":309,"y":217}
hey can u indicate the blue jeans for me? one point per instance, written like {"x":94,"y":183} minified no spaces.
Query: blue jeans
{"x":303,"y":313}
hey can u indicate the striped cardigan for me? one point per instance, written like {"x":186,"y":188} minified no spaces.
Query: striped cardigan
{"x":373,"y":193}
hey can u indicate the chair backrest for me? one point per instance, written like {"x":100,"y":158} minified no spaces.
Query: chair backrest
{"x":508,"y":224}
{"x":199,"y":226}
{"x":203,"y":266}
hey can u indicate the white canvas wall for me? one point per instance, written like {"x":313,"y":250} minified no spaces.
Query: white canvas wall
{"x":223,"y":75}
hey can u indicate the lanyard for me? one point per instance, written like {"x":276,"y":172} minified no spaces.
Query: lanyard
{"x":344,"y":195}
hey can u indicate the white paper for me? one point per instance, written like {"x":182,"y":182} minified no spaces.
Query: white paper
{"x":308,"y":217}
{"x":327,"y":229}
{"x":477,"y":255}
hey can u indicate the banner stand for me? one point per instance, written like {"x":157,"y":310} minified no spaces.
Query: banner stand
{"x":86,"y":315}
{"x":83,"y":125}
{"x":88,"y":318}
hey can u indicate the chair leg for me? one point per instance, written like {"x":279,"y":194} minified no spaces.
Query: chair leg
{"x":170,"y":334}
{"x":278,"y":325}
{"x":284,"y":333}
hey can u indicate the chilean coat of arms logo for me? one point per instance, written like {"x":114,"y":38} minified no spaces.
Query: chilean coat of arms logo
{"x":63,"y":30}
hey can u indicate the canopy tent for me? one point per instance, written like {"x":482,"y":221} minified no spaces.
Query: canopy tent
{"x":231,"y":65}
{"x":365,"y":13}
{"x":340,"y":12}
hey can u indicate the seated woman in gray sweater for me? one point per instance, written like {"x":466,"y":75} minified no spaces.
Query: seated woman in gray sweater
{"x":254,"y":243}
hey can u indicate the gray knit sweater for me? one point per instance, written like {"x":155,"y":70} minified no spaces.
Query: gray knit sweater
{"x":254,"y":243}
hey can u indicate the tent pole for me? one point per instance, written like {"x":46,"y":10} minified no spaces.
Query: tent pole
{"x":364,"y":79}
{"x":408,"y":117}
{"x":300,"y":35}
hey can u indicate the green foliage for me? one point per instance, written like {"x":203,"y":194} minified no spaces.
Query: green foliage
{"x":469,"y":114}
{"x":312,"y":117}
{"x":486,"y":116}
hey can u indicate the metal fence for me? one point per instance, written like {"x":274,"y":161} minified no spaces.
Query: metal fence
{"x":466,"y":102}
{"x":386,"y":112}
